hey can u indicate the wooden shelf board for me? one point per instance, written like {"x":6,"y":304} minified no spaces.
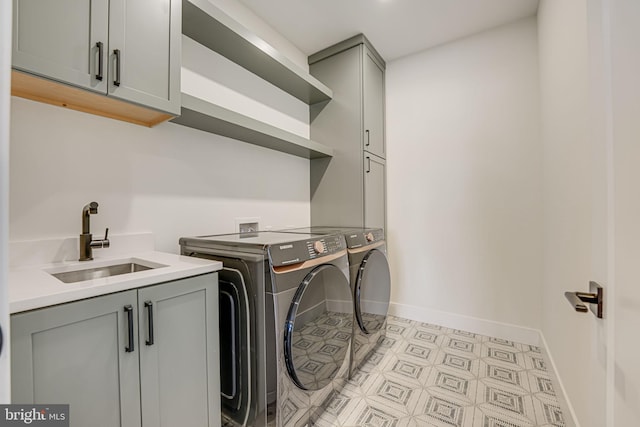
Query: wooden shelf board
{"x":39,"y":89}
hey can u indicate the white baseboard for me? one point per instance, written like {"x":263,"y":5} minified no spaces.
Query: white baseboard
{"x":495,"y":329}
{"x":491,"y":328}
{"x":558,"y":386}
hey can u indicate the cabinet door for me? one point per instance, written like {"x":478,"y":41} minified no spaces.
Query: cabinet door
{"x":76,"y":354}
{"x":144,"y":52}
{"x":179,"y":360}
{"x":374,"y":191}
{"x":59,"y":40}
{"x":373,"y":105}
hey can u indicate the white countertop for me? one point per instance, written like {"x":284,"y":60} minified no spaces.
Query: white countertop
{"x":32,"y":287}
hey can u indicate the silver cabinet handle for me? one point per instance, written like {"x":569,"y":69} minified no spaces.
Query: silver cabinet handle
{"x":368,"y":164}
{"x":368,"y":137}
{"x":100,"y":47}
{"x":116,"y":81}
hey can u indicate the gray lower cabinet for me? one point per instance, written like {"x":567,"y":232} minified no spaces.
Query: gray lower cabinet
{"x":142,"y":357}
{"x":128,"y":49}
{"x":349,"y":188}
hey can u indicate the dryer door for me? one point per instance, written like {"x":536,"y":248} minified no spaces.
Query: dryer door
{"x":319,"y":328}
{"x":372,"y":291}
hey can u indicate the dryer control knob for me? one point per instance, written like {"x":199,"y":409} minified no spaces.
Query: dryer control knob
{"x":369,"y":237}
{"x":318,"y":247}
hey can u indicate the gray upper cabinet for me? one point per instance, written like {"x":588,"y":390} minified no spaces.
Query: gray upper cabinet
{"x":145,"y":52}
{"x":60,"y":40}
{"x":343,"y":189}
{"x":128,"y":49}
{"x":142,"y":357}
{"x":373,"y":104}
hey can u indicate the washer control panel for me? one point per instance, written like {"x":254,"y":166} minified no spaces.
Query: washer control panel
{"x":364,"y":237}
{"x":304,"y":250}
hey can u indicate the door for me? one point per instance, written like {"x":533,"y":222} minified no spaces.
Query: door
{"x":178,"y":343}
{"x":63,"y":40}
{"x":373,"y":105}
{"x":623,"y":371}
{"x":84,"y":354}
{"x":144,"y":52}
{"x":322,"y":301}
{"x":374,"y":192}
{"x":372,"y":291}
{"x":235,"y":362}
{"x":615,"y":102}
{"x":5,"y":102}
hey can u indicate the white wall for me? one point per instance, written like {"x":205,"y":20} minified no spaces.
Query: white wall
{"x":170,"y":180}
{"x":464,"y":177}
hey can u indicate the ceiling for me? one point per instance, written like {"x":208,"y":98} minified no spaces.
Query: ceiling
{"x":395,"y":27}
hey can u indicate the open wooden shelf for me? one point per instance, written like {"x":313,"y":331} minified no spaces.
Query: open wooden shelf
{"x":211,"y":27}
{"x":200,"y":114}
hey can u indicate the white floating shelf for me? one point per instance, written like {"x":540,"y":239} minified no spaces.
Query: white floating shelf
{"x":200,"y":114}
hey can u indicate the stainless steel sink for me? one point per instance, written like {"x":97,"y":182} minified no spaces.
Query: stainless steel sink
{"x":73,"y":276}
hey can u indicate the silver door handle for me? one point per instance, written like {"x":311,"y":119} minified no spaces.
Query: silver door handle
{"x":368,"y":164}
{"x":583,"y":301}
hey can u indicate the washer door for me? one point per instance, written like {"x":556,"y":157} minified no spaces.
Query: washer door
{"x":318,"y":328}
{"x":372,"y":291}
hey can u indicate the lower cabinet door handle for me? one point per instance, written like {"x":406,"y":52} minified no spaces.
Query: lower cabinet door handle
{"x":149,"y":306}
{"x":129,"y":310}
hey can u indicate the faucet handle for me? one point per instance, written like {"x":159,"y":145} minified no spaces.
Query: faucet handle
{"x":105,"y":241}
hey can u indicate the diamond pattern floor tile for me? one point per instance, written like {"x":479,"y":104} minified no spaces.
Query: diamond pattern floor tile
{"x":425,"y":375}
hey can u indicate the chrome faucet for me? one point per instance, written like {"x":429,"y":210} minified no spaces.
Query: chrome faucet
{"x":86,"y":241}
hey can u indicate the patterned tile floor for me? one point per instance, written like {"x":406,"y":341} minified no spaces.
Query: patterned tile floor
{"x":319,"y":347}
{"x":428,"y":375}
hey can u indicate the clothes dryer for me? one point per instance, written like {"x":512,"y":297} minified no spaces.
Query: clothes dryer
{"x":286,"y":324}
{"x":370,"y":280}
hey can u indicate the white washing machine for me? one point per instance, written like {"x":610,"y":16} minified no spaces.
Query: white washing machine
{"x":286,"y":324}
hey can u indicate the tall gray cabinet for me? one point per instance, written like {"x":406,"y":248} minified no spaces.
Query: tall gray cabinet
{"x":350,"y":188}
{"x":141,"y":357}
